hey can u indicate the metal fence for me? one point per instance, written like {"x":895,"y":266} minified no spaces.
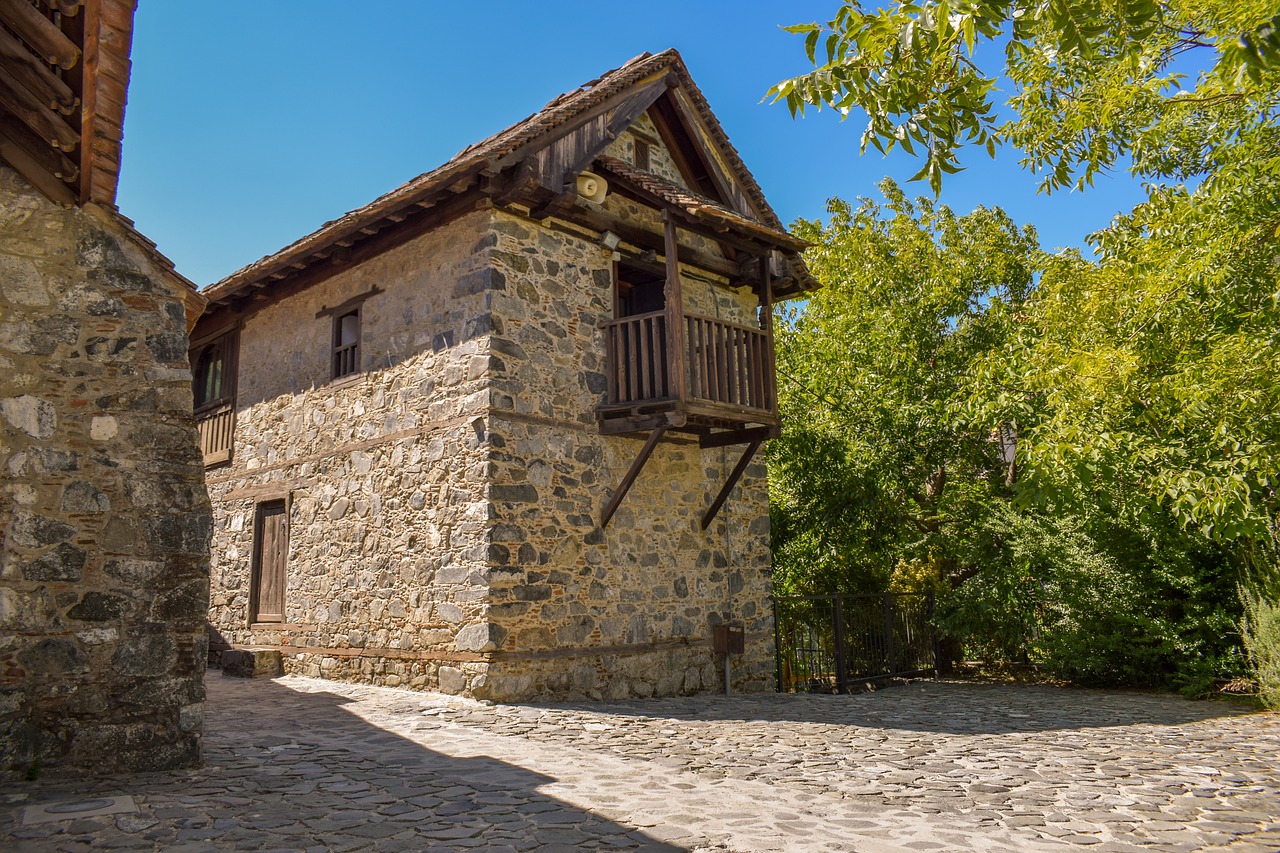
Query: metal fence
{"x":827,"y":642}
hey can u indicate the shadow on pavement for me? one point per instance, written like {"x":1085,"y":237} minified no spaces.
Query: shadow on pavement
{"x":290,"y":770}
{"x":935,"y":706}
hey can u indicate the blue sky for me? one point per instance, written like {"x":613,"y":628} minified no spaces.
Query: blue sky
{"x":250,"y":124}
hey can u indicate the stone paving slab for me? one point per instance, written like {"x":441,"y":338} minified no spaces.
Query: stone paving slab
{"x":301,"y":764}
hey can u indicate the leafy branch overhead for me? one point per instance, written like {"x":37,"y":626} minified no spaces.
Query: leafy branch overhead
{"x":1091,"y":82}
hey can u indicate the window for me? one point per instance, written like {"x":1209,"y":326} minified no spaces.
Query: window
{"x":642,"y":154}
{"x":346,"y":344}
{"x":640,"y":291}
{"x":211,"y":374}
{"x":213,"y":391}
{"x":270,"y":556}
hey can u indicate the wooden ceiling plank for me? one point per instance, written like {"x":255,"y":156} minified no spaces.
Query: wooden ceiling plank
{"x":35,"y":75}
{"x":40,"y":118}
{"x":40,"y":178}
{"x":40,"y":33}
{"x":56,"y":163}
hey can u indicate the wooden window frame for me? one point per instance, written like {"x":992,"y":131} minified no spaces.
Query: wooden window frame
{"x":644,"y":154}
{"x":261,"y":510}
{"x":228,"y":341}
{"x":354,"y":305}
{"x":345,"y":358}
{"x":215,"y":417}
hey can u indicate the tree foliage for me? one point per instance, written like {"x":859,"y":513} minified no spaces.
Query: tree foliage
{"x":1140,"y":386}
{"x":875,"y":464}
{"x":1093,"y":81}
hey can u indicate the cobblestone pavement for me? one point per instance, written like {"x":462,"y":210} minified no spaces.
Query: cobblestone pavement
{"x":302,"y":764}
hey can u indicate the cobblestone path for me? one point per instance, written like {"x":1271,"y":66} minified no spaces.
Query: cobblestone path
{"x":301,"y":764}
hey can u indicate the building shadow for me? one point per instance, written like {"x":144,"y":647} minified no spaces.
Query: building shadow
{"x":286,"y":769}
{"x":945,"y":707}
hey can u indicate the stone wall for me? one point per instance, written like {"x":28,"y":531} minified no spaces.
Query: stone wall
{"x":104,"y":519}
{"x":626,"y":610}
{"x":385,"y":472}
{"x":443,"y":505}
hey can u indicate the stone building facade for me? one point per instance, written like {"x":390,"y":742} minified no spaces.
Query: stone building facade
{"x":104,"y":519}
{"x":409,"y":464}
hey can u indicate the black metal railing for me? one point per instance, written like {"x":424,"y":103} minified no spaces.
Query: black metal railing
{"x":825,"y":643}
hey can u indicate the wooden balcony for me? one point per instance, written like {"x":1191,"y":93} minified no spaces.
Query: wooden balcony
{"x":216,"y":423}
{"x":728,"y":375}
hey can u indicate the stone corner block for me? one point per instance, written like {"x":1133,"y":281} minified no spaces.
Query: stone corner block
{"x":252,"y":663}
{"x":480,"y":637}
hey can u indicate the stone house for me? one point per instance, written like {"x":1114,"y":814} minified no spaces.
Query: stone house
{"x":494,"y":433}
{"x":104,"y":519}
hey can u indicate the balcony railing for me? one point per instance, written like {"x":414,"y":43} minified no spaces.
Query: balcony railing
{"x":217,"y":425}
{"x":728,"y":365}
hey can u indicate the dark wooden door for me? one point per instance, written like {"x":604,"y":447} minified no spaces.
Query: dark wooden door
{"x":271,"y":555}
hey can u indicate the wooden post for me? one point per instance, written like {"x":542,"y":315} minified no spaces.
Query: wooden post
{"x":766,"y":324}
{"x":676,"y":353}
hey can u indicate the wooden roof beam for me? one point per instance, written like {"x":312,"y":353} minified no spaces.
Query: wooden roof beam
{"x":35,"y":75}
{"x":40,"y":118}
{"x":35,"y":172}
{"x":40,"y":33}
{"x":50,"y":159}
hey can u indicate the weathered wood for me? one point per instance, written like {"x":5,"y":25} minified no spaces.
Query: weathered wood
{"x":35,"y":172}
{"x":721,"y":232}
{"x":677,"y":380}
{"x":35,"y":75}
{"x":624,"y":424}
{"x":39,"y":159}
{"x":731,"y":195}
{"x":726,"y":438}
{"x":730,"y":483}
{"x":682,"y":151}
{"x":43,"y":120}
{"x":770,"y":372}
{"x":40,"y":33}
{"x":216,"y":427}
{"x":271,"y":552}
{"x":558,"y":164}
{"x":599,"y":220}
{"x":368,"y":247}
{"x":634,"y":471}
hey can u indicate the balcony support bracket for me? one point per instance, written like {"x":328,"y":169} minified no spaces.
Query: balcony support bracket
{"x":731,"y":482}
{"x":632,"y":473}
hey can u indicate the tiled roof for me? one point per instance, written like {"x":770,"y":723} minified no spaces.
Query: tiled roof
{"x":501,"y":147}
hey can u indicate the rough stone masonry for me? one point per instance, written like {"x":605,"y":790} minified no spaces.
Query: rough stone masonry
{"x":104,"y":518}
{"x":442,"y":505}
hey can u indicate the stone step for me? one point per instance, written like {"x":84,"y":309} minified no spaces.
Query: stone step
{"x":252,"y":663}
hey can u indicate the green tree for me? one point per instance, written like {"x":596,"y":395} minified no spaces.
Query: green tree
{"x":880,"y":461}
{"x":1141,"y":386}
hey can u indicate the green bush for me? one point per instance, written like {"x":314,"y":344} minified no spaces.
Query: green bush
{"x":1260,"y":629}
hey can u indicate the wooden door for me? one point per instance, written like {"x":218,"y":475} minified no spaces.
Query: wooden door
{"x":270,"y":557}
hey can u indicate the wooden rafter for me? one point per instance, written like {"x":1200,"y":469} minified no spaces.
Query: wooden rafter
{"x":42,"y":34}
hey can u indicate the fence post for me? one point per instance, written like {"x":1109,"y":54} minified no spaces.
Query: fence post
{"x":933,"y":634}
{"x":890,"y":649}
{"x":837,"y":618}
{"x":777,"y":645}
